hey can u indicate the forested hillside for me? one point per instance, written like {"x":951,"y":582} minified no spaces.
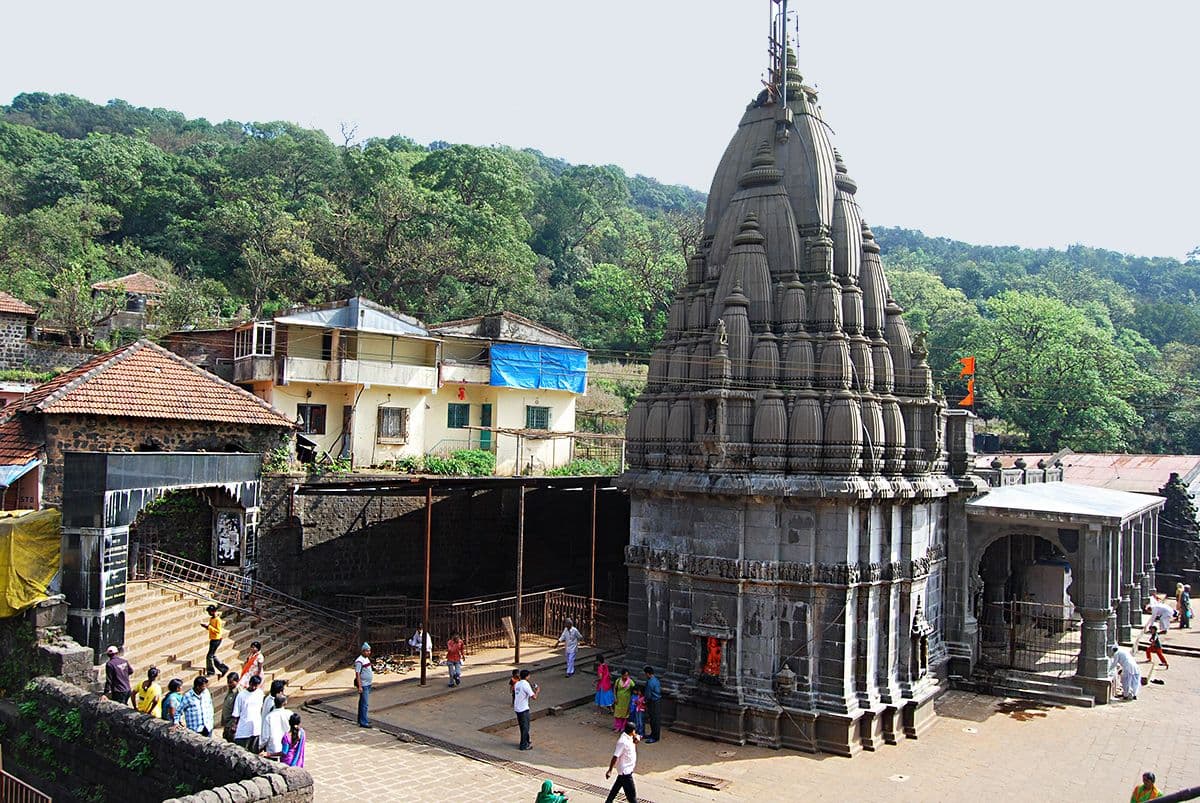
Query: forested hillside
{"x":264,"y":215}
{"x":1083,"y":348}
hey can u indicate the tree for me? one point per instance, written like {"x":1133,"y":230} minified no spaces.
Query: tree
{"x":76,"y":308}
{"x":1056,"y":373}
{"x":945,"y":313}
{"x":1179,"y":541}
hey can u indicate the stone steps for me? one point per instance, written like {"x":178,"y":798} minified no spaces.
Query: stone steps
{"x":1032,"y":686}
{"x":164,"y":627}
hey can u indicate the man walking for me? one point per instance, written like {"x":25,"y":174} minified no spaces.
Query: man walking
{"x":523,"y":692}
{"x":454,"y":658}
{"x":247,"y":712}
{"x":571,"y":638}
{"x":216,"y":632}
{"x":653,"y":695}
{"x":624,"y":760}
{"x":117,"y":674}
{"x":228,"y":723}
{"x":363,"y":675}
{"x":195,"y":710}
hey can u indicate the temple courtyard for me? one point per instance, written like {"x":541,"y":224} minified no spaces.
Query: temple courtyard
{"x":436,"y":744}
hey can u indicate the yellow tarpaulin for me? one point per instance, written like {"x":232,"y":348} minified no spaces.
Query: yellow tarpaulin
{"x":30,"y":553}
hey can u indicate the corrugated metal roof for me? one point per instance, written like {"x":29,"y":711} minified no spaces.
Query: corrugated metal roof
{"x":1138,"y":473}
{"x":1064,"y":498}
{"x":357,"y":314}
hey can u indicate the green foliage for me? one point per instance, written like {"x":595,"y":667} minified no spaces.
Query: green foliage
{"x":331,"y":465}
{"x":409,"y":464}
{"x":140,"y":763}
{"x":271,"y":214}
{"x":25,"y":375}
{"x":586,"y":468}
{"x":176,"y":503}
{"x":461,"y":463}
{"x":279,"y":459}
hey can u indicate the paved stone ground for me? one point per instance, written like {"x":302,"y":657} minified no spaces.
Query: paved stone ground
{"x":978,"y":748}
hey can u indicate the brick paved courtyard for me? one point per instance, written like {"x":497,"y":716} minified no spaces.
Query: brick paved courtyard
{"x":979,"y":747}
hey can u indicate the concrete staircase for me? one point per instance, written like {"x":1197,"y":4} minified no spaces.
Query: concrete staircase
{"x":164,"y":627}
{"x":1030,"y":686}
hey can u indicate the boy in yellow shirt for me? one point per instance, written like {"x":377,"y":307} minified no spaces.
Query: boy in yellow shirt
{"x":216,"y":632}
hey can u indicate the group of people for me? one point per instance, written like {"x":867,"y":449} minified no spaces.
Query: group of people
{"x":257,"y":721}
{"x":629,"y":702}
{"x":364,"y":669}
{"x":635,"y":709}
{"x":1123,"y":668}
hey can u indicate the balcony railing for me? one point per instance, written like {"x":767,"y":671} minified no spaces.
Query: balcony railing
{"x":254,"y":369}
{"x":361,"y":372}
{"x":466,"y":372}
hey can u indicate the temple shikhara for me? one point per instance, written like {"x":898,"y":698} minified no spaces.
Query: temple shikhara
{"x":812,"y":555}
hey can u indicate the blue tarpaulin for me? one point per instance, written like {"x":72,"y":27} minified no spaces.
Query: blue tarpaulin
{"x":521,"y":365}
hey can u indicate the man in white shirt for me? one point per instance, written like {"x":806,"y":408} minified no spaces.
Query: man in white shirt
{"x":624,"y":760}
{"x":417,"y":638}
{"x":275,"y":726}
{"x":248,"y":713}
{"x":523,"y":692}
{"x":571,"y":638}
{"x":1131,"y":676}
{"x":1160,"y":616}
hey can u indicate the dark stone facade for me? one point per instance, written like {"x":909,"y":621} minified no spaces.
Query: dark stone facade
{"x":70,"y":433}
{"x":14,"y":332}
{"x":100,"y":753}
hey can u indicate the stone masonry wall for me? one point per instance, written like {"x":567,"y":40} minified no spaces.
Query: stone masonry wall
{"x":362,"y":545}
{"x":69,"y":433}
{"x":73,"y":745}
{"x":41,"y":356}
{"x":13,"y":330}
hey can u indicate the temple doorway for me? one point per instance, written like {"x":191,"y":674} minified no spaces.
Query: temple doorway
{"x":1028,"y":620}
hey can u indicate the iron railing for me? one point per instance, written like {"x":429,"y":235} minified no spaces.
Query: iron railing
{"x":14,"y":790}
{"x":243,"y":594}
{"x":389,"y":622}
{"x":1032,"y":636}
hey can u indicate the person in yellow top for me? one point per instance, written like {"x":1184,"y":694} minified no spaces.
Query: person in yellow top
{"x":1146,"y":790}
{"x":148,"y":696}
{"x":216,"y":632}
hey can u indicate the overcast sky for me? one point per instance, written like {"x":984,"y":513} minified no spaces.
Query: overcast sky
{"x":1037,"y":123}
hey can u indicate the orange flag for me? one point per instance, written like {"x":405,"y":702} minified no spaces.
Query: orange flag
{"x":968,"y":367}
{"x":969,"y":399}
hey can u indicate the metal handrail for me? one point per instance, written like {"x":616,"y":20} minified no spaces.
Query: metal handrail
{"x":233,"y":590}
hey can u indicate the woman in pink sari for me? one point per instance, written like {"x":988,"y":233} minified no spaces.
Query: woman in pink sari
{"x":604,"y":686}
{"x":293,"y":743}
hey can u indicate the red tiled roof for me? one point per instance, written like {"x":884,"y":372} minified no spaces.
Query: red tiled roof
{"x":14,"y":305}
{"x":142,"y":284}
{"x":143,"y":380}
{"x":16,"y":448}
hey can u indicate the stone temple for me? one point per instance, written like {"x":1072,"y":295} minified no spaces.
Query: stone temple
{"x":802,"y":569}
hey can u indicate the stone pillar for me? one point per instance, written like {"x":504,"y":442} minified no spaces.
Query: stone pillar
{"x":960,"y":441}
{"x":1092,"y":666}
{"x":95,"y":563}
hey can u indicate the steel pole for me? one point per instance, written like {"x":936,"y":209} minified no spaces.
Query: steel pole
{"x":520,"y":572}
{"x":425,"y":606}
{"x":592,"y":587}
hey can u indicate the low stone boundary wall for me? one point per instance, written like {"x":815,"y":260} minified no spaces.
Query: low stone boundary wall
{"x":73,"y":745}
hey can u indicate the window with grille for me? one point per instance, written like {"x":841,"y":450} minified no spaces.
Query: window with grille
{"x":311,"y":418}
{"x":458,"y":416}
{"x":392,"y":424}
{"x":537,"y":417}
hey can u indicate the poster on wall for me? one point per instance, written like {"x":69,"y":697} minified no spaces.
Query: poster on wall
{"x":228,"y":526}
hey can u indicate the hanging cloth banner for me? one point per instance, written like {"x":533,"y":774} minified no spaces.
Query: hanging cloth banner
{"x":969,"y":399}
{"x":968,"y":367}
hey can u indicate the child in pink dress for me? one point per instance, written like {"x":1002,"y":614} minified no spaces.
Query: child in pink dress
{"x":604,"y":687}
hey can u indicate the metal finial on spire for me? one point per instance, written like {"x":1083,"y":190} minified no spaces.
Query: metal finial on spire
{"x":777,"y":48}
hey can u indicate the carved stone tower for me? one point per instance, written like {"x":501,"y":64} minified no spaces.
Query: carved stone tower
{"x":786,"y":463}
